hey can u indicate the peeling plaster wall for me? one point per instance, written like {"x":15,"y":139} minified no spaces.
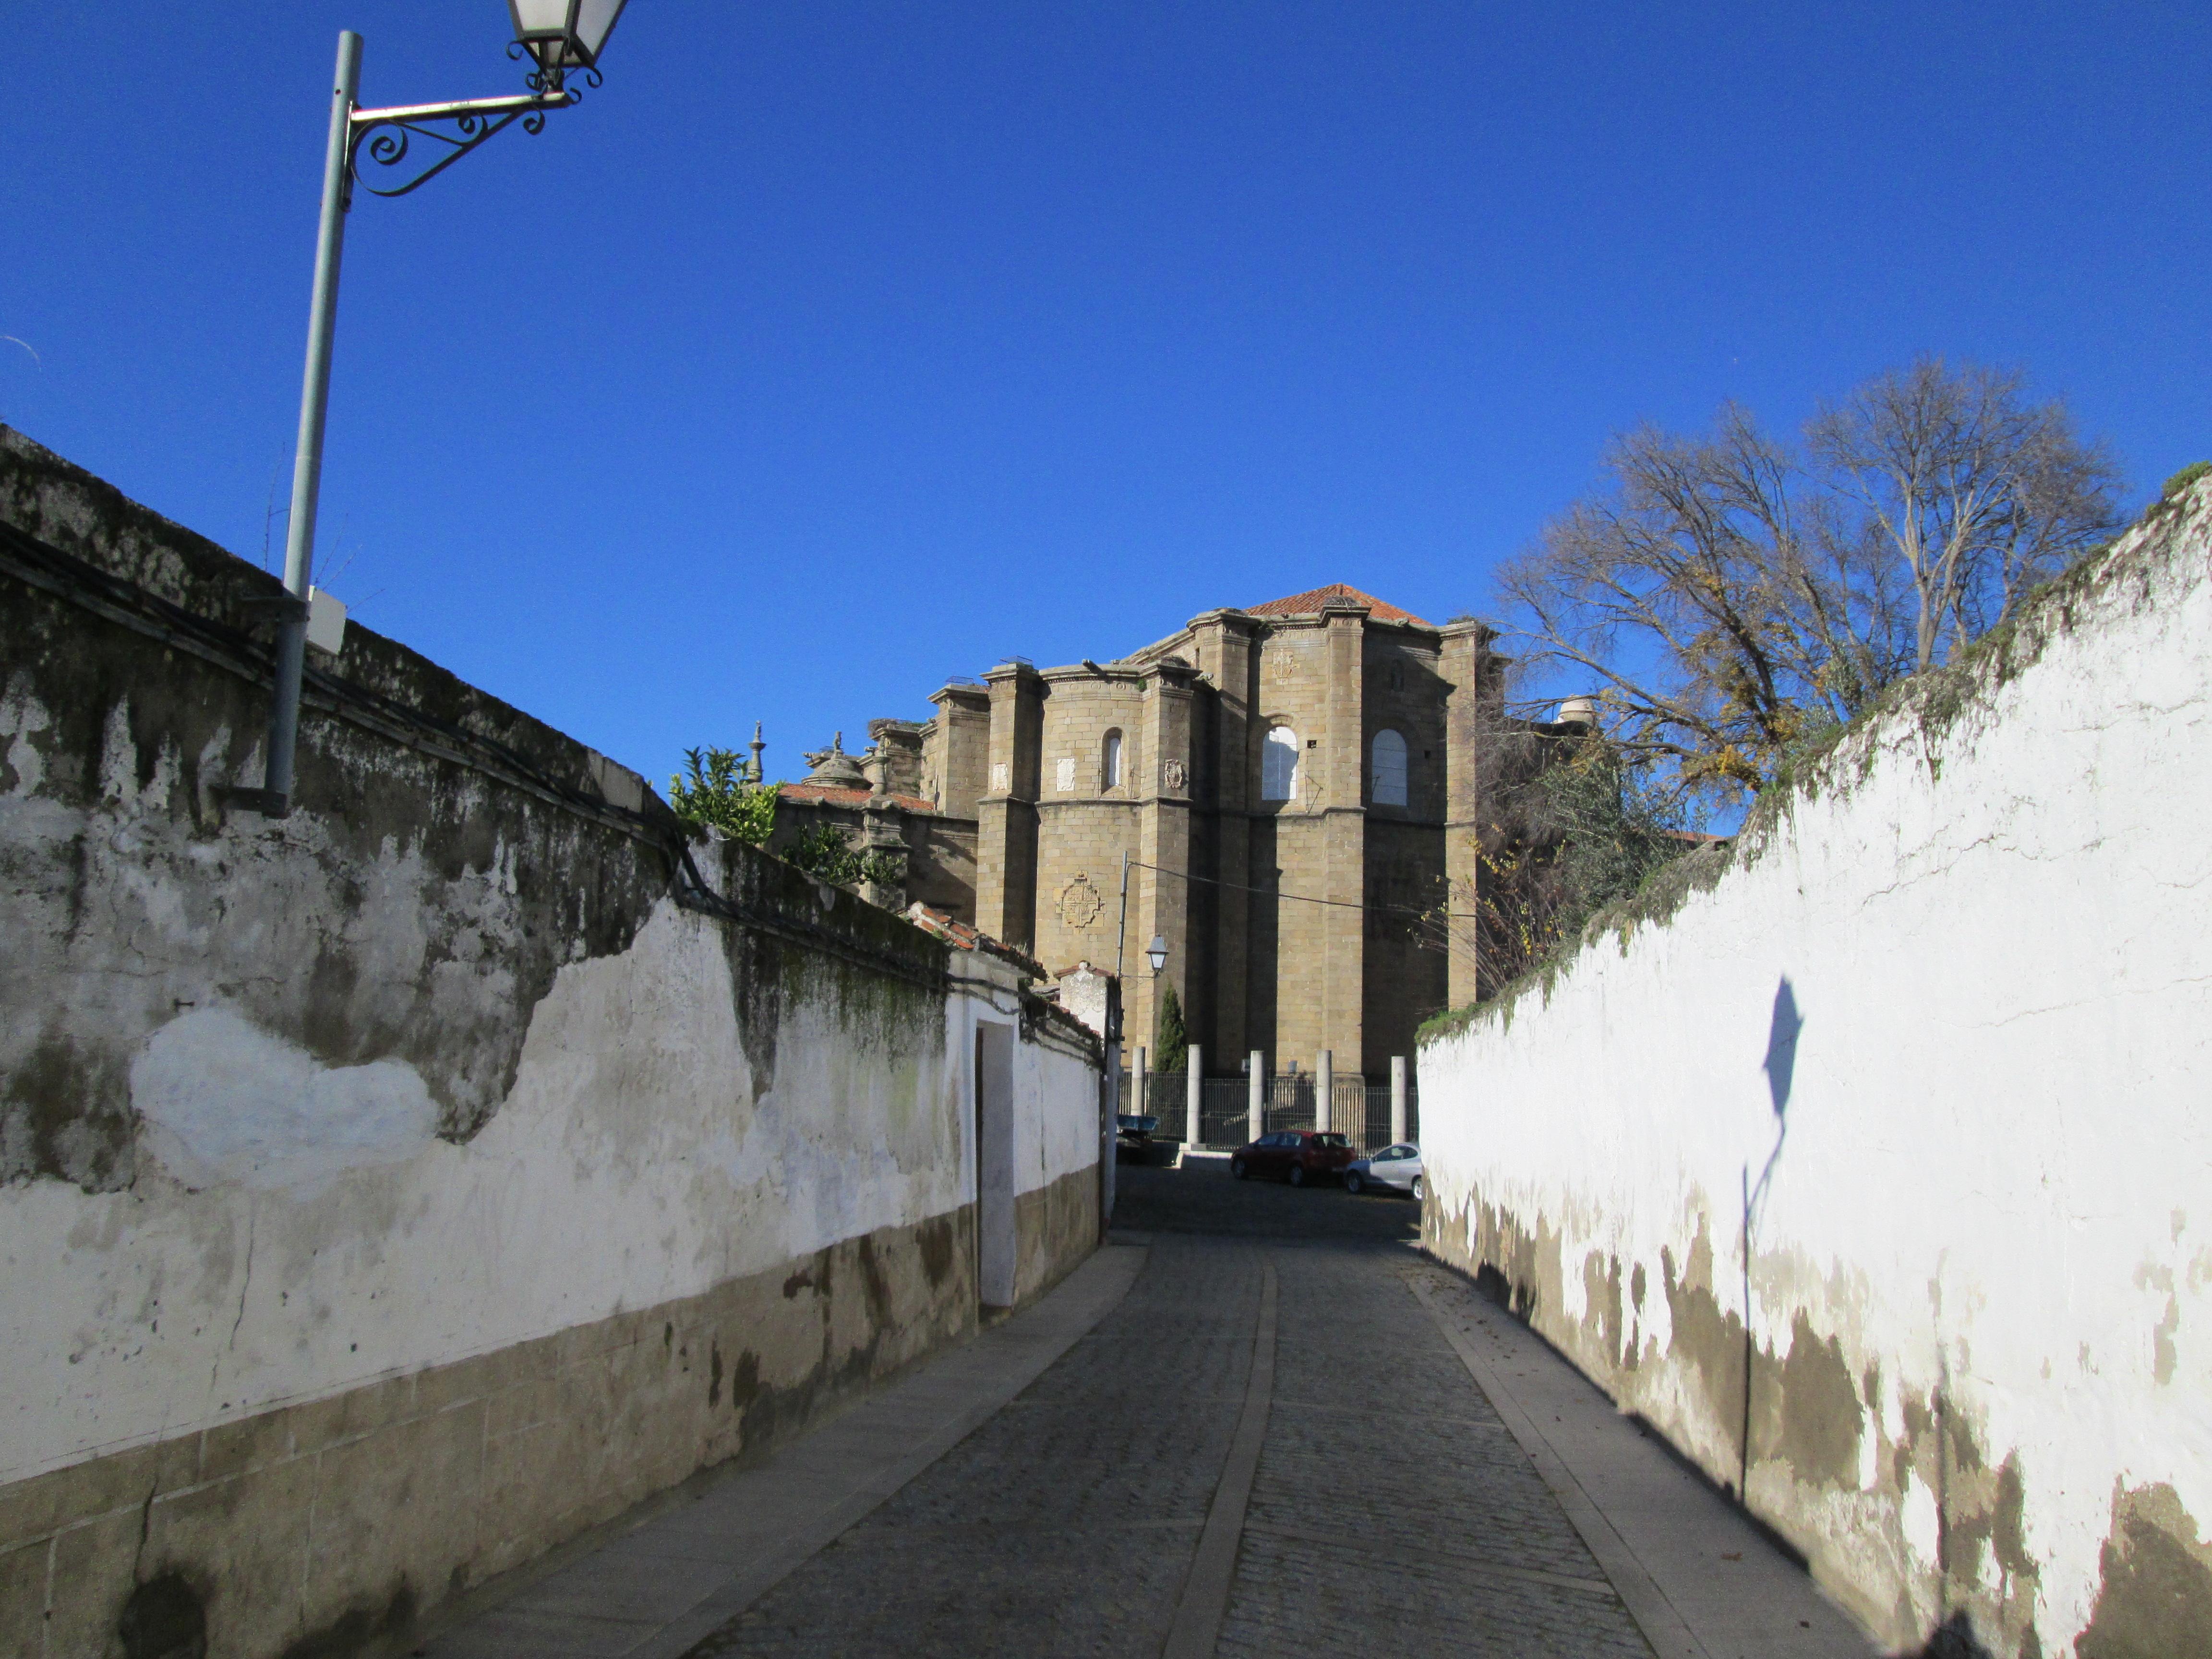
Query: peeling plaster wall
{"x":391,"y":1192}
{"x":1056,"y":1150}
{"x":1944,"y":1016}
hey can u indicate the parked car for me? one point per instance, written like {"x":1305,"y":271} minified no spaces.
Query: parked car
{"x":1133,"y":1137}
{"x":1299,"y":1156}
{"x":1397,"y":1168}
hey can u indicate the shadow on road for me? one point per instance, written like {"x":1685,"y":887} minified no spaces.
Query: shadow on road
{"x":1208,"y":1200}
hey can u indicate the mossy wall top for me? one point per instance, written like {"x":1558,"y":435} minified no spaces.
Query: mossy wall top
{"x":437,"y":1064}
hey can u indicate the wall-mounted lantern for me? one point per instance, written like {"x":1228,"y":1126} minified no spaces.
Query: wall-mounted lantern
{"x":563,"y":34}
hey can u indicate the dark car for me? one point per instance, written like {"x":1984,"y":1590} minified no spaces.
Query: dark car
{"x":1133,"y":1137}
{"x":1299,"y":1156}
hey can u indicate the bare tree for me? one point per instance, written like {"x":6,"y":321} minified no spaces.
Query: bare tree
{"x":1723,"y":597}
{"x":1716,"y":612}
{"x":1980,"y":492}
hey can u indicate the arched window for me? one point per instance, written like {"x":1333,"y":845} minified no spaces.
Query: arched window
{"x":1109,"y":761}
{"x":1388,"y":773}
{"x":1278,"y":765}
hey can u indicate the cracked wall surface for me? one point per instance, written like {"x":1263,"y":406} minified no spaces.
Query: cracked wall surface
{"x":1872,"y":1164}
{"x":390,"y":1191}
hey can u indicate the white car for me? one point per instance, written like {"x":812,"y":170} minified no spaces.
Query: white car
{"x":1398,"y":1168}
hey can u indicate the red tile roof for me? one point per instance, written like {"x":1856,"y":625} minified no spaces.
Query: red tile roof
{"x":1301,"y":604}
{"x":824,"y":794}
{"x":963,"y":936}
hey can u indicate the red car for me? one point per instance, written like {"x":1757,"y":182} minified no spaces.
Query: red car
{"x":1299,"y":1156}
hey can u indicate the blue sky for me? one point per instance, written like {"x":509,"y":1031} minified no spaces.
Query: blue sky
{"x":833,"y":350}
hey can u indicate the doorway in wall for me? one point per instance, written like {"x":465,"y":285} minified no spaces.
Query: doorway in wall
{"x":994,"y":1165}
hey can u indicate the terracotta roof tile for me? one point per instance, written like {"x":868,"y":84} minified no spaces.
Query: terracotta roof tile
{"x":829,"y":796}
{"x":964,"y":936}
{"x":1301,"y":604}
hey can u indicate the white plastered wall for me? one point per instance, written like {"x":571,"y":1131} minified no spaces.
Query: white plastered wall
{"x":1983,"y":1181}
{"x":297,"y":1231}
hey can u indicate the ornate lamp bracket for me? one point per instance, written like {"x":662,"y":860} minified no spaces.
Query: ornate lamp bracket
{"x":387,"y":134}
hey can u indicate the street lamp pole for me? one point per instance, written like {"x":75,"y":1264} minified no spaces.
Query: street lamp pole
{"x":559,"y":37}
{"x":307,"y":458}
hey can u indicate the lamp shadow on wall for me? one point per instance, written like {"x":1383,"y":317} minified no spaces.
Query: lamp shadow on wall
{"x":1784,"y":1028}
{"x":1781,"y":1068}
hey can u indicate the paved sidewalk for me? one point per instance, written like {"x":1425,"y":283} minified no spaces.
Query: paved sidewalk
{"x":1270,"y":1427}
{"x":682,"y":1569}
{"x":1701,"y":1579}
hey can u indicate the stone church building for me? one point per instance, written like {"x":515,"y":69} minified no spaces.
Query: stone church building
{"x":1294,"y":782}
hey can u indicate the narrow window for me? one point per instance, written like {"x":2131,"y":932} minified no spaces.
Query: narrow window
{"x":1109,"y":761}
{"x":1278,"y":765}
{"x":1388,"y":788}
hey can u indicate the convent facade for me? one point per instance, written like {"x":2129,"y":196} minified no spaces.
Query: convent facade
{"x":1293,"y":782}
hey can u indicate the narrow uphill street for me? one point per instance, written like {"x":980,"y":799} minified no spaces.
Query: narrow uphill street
{"x":1274,"y":1441}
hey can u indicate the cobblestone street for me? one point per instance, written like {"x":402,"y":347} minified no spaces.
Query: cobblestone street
{"x":1273,"y":1444}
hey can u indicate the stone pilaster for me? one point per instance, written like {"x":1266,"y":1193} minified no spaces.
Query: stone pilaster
{"x":959,"y":753}
{"x":1466,"y":667}
{"x":1343,"y":806}
{"x":1006,"y":814}
{"x":1225,"y":645}
{"x":1159,"y":898}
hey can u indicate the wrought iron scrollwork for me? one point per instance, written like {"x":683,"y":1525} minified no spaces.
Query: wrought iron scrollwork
{"x":384,"y":139}
{"x":541,"y":79}
{"x":387,"y":144}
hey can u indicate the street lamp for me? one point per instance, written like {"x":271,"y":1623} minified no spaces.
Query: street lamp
{"x":1156,"y":952}
{"x":563,"y":34}
{"x":561,"y":37}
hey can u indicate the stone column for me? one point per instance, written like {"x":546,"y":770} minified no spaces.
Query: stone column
{"x":1194,"y":1094}
{"x":1136,"y":1081}
{"x":1397,"y":1098}
{"x":1325,"y":1093}
{"x":1255,"y":1096}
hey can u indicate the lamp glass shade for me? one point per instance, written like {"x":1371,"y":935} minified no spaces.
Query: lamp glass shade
{"x":595,"y":20}
{"x":565,"y":35}
{"x":1158,"y":952}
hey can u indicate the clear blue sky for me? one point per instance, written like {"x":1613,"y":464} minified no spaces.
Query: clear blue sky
{"x":832,"y":350}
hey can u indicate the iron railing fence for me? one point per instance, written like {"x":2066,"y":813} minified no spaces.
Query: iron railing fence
{"x":1163,"y":1099}
{"x":1289,"y":1102}
{"x":1225,"y":1115}
{"x":1375,"y":1111}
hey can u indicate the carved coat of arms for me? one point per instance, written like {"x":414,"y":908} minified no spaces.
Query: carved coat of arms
{"x":1080,"y":902}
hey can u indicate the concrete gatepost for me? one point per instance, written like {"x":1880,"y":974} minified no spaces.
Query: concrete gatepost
{"x":1136,"y":1083}
{"x":1397,"y":1098}
{"x":1325,"y":1089}
{"x":1255,"y":1096}
{"x":1194,"y":1092}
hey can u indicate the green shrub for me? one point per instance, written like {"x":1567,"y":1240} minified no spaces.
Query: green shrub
{"x":824,"y":854}
{"x":2181,"y":480}
{"x":718,"y":795}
